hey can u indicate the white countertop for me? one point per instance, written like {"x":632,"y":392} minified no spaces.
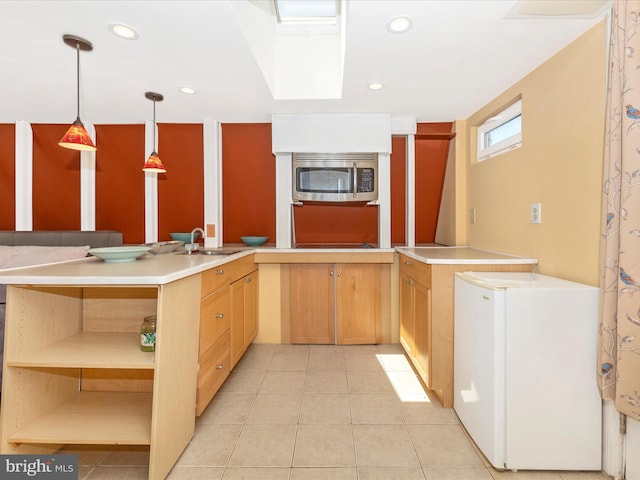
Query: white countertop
{"x":162,"y":269}
{"x":147,"y":270}
{"x":462,"y":255}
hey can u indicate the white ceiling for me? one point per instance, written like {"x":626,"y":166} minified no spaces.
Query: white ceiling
{"x":459,"y":55}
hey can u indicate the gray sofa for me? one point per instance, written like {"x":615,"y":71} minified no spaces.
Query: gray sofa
{"x":60,"y":238}
{"x":51,"y":238}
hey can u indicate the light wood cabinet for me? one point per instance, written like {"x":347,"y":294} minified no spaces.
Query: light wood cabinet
{"x":415,"y":315}
{"x":214,"y":363}
{"x":244,"y":314}
{"x":427,"y":316}
{"x":422,"y":327}
{"x":335,"y":303}
{"x":56,"y":333}
{"x":357,"y":304}
{"x":228,"y":323}
{"x":312,"y":303}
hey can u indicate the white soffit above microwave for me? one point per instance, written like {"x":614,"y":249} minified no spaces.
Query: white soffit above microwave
{"x":300,"y":51}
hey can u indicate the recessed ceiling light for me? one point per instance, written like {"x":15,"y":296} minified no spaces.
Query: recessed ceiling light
{"x":188,"y":90}
{"x":375,"y":86}
{"x":399,"y":24}
{"x":123,"y":31}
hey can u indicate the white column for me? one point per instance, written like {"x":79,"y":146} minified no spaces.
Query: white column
{"x":88,"y":184}
{"x":150,"y":188}
{"x":411,"y":192}
{"x":24,"y":176}
{"x":632,"y":444}
{"x":284,"y":200}
{"x":384,"y":200}
{"x":212,"y":181}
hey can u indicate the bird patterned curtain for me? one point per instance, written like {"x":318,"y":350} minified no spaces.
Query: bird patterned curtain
{"x":619,"y":330}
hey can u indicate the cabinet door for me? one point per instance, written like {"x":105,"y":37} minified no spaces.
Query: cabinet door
{"x":251,"y":308}
{"x":312,"y":303}
{"x":422,"y":331}
{"x":358,"y":303}
{"x":406,"y":313}
{"x":244,"y":314}
{"x":236,"y":327}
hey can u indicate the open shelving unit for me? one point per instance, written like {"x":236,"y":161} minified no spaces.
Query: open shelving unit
{"x":74,"y":373}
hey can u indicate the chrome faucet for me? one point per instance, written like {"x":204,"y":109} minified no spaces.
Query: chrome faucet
{"x":194,"y":247}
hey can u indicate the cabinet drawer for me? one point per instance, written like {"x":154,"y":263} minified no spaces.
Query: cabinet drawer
{"x":214,"y":368}
{"x":214,"y":317}
{"x":418,"y":271}
{"x":224,"y":274}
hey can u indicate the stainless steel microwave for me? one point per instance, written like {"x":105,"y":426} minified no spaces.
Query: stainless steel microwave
{"x":335,"y":177}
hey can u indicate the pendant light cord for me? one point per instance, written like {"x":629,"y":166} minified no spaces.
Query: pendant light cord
{"x":78,"y":78}
{"x":154,"y":125}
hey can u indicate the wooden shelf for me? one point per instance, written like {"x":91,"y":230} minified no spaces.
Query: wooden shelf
{"x":89,"y":350}
{"x":101,"y":418}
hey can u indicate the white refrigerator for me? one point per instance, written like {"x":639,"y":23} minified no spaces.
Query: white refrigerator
{"x":525,"y":368}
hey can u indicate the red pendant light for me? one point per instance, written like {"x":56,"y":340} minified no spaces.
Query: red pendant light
{"x":153,"y":163}
{"x":77,"y":137}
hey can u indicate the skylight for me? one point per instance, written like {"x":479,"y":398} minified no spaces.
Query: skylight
{"x":306,"y":11}
{"x":299,"y":45}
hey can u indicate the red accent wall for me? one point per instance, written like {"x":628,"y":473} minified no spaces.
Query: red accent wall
{"x":248,"y":181}
{"x":120,"y":180}
{"x":248,"y":185}
{"x":336,"y":224}
{"x":181,"y":189}
{"x":431,"y":160}
{"x":7,"y":176}
{"x":56,"y":180}
{"x":398,"y":190}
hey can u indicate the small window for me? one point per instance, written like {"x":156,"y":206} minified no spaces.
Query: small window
{"x":501,"y":132}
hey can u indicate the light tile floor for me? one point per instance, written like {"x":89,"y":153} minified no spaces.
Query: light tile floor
{"x":293,"y":412}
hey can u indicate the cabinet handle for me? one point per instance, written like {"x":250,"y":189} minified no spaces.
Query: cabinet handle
{"x":219,"y":272}
{"x":331,"y":273}
{"x":408,"y":262}
{"x":219,"y":367}
{"x":248,"y":280}
{"x":219,"y":315}
{"x":411,"y":281}
{"x":339,"y":274}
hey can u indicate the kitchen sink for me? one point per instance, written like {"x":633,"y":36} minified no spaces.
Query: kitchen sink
{"x":211,"y":251}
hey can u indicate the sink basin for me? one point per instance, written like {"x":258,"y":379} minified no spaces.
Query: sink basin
{"x":211,"y":251}
{"x":216,"y":251}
